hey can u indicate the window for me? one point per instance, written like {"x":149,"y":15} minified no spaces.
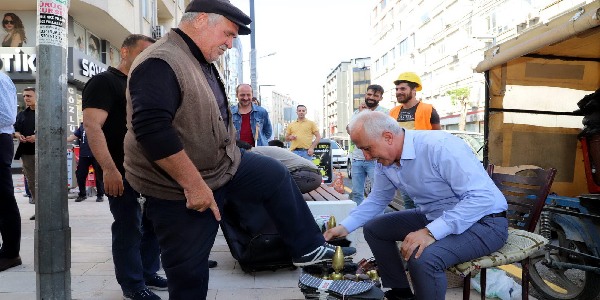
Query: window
{"x":382,"y":4}
{"x":145,"y":9}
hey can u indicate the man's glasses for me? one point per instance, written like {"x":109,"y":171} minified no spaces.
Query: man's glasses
{"x":8,"y":22}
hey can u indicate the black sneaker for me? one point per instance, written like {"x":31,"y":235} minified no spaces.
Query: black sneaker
{"x":322,"y":253}
{"x":31,"y":201}
{"x":144,"y":294}
{"x":212,"y":264}
{"x":32,"y":218}
{"x":157,"y":283}
{"x":80,"y":198}
{"x":99,"y":198}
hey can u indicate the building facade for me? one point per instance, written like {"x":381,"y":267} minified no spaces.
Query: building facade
{"x":442,"y":41}
{"x":343,"y":91}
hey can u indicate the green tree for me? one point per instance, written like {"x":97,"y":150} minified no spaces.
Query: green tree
{"x":460,"y":97}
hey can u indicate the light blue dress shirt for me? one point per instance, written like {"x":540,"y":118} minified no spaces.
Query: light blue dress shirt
{"x":444,"y":178}
{"x":8,"y":104}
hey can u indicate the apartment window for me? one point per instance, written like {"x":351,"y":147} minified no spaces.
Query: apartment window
{"x":382,"y":4}
{"x":145,"y":9}
{"x":403,"y":47}
{"x":385,"y":60}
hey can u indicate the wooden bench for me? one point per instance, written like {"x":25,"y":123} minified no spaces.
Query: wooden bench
{"x":325,"y":201}
{"x":324,"y":193}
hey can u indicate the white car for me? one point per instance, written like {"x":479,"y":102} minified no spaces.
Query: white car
{"x":339,"y":155}
{"x":473,"y":139}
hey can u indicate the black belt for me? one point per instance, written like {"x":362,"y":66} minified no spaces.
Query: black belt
{"x":300,"y":149}
{"x":497,"y":215}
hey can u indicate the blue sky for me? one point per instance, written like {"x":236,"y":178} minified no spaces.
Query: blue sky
{"x":310,"y":37}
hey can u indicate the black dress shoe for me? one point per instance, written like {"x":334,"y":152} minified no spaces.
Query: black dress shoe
{"x":32,"y":217}
{"x":6,"y":263}
{"x":212,"y":264}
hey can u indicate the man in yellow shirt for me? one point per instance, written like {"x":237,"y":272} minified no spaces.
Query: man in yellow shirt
{"x":301,"y":132}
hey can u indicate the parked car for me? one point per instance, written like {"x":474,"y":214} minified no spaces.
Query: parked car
{"x":339,"y":155}
{"x":473,"y":139}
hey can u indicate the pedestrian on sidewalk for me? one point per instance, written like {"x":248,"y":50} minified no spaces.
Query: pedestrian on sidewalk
{"x":86,"y":159}
{"x":10,"y":217}
{"x":303,"y":134}
{"x":180,"y":151}
{"x":361,"y":168}
{"x":250,"y":120}
{"x":25,"y":133}
{"x":135,"y":248}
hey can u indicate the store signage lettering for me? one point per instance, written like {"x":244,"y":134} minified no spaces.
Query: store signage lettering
{"x":18,"y":63}
{"x":89,"y":68}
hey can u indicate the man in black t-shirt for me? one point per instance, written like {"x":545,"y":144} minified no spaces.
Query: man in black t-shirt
{"x":134,"y":245}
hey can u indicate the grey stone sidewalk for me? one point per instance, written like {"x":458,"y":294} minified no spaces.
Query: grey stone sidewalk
{"x":92,"y":271}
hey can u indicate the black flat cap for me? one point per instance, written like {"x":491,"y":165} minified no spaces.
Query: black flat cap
{"x":224,"y":8}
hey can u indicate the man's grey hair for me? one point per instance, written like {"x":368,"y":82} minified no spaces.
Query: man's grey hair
{"x":191,"y":16}
{"x":374,"y":124}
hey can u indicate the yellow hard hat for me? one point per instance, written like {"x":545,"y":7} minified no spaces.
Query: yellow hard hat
{"x":409,"y":76}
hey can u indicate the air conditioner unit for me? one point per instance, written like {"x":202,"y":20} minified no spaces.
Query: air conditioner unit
{"x":158,"y":31}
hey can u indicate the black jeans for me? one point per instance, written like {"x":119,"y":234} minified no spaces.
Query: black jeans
{"x":187,"y":236}
{"x":10,"y":217}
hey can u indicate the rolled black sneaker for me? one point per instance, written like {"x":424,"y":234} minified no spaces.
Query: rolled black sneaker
{"x":157,"y":283}
{"x":322,"y":253}
{"x":212,"y":264}
{"x":99,"y":198}
{"x":144,"y":294}
{"x":7,"y":263}
{"x":80,"y":198}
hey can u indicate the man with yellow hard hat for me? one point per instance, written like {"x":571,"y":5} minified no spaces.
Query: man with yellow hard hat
{"x":412,"y":113}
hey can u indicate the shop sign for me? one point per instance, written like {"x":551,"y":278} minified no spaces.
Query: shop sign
{"x":83,"y":67}
{"x":19,"y":63}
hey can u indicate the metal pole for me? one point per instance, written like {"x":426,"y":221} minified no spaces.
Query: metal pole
{"x":52,"y":232}
{"x":253,"y":79}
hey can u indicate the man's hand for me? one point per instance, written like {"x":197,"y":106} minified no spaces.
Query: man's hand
{"x":22,"y":139}
{"x":201,"y":199}
{"x":310,"y":151}
{"x":417,"y":239}
{"x":30,"y":139}
{"x":335,"y":232}
{"x":113,"y":182}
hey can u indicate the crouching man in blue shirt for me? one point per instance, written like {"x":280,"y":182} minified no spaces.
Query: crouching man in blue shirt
{"x":460,"y":214}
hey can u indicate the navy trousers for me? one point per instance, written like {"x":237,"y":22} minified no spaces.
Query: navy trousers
{"x":10,"y":217}
{"x":135,"y":250}
{"x":428,"y":271}
{"x":186,"y":236}
{"x":82,"y":173}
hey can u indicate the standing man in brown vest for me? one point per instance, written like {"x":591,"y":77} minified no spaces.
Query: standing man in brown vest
{"x":180,"y":151}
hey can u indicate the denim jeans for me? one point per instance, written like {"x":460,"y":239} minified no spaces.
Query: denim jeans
{"x":135,"y":250}
{"x":303,"y":153}
{"x":10,"y":217}
{"x":361,"y":169}
{"x":186,"y":236}
{"x":428,"y":271}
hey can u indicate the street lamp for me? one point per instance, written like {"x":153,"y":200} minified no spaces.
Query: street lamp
{"x":270,"y":54}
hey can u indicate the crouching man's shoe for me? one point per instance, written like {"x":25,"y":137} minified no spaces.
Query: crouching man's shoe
{"x":7,"y":263}
{"x":321,"y":254}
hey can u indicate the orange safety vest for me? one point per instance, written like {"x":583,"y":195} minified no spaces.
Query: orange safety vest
{"x":422,"y":115}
